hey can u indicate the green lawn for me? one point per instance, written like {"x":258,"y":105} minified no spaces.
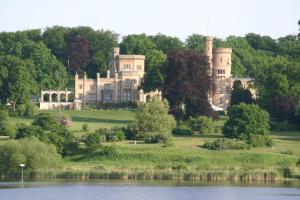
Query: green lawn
{"x":94,"y":118}
{"x":186,"y":152}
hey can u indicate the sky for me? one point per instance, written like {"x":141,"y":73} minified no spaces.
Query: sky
{"x":180,"y":18}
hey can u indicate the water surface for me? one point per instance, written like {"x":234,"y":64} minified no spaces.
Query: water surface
{"x":148,"y":190}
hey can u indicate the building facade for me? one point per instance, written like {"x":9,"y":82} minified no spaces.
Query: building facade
{"x":120,"y":85}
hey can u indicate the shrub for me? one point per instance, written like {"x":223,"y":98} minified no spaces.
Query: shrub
{"x":298,"y":162}
{"x":283,"y":126}
{"x":129,"y":132}
{"x":5,"y":127}
{"x":223,"y":144}
{"x":201,"y":124}
{"x":48,"y":129}
{"x":27,"y":109}
{"x":286,"y":172}
{"x":260,"y":140}
{"x":247,"y":122}
{"x":114,"y":135}
{"x":182,"y":129}
{"x":85,"y":127}
{"x":30,"y":151}
{"x":109,"y":151}
{"x":92,"y":141}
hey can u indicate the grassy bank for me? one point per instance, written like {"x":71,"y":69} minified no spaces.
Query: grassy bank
{"x":185,"y":160}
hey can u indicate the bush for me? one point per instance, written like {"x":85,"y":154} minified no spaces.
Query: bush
{"x":286,"y":172}
{"x":27,"y":109}
{"x":5,"y":127}
{"x":114,"y":135}
{"x":92,"y":141}
{"x":201,"y":124}
{"x":48,"y":129}
{"x":163,"y":138}
{"x":112,"y":105}
{"x":223,"y":144}
{"x":129,"y":132}
{"x":85,"y":127}
{"x":260,"y":140}
{"x":283,"y":126}
{"x":182,"y":129}
{"x":248,"y":122}
{"x":109,"y":151}
{"x":30,"y":151}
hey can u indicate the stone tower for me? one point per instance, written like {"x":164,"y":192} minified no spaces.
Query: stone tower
{"x":222,"y":77}
{"x":113,"y":61}
{"x":208,"y":53}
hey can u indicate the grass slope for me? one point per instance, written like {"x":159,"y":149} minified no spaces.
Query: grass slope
{"x":185,"y":158}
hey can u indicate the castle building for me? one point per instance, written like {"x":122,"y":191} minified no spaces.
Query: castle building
{"x":122,"y":83}
{"x":219,"y":61}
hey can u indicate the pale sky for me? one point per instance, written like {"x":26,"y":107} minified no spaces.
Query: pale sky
{"x":179,"y":18}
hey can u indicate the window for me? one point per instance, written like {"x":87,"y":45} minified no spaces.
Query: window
{"x":126,"y":95}
{"x":221,"y":100}
{"x":139,"y":66}
{"x":221,"y":71}
{"x":127,"y":67}
{"x":221,"y":59}
{"x":92,"y":87}
{"x":106,"y":86}
{"x":107,"y":95}
{"x":80,"y":86}
{"x":127,"y":83}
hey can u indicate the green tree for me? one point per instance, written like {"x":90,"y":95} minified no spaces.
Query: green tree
{"x":55,"y":39}
{"x":240,"y":94}
{"x":5,"y":127}
{"x":49,"y":72}
{"x":34,"y":154}
{"x":16,"y":80}
{"x":195,"y":42}
{"x":166,"y":43}
{"x":149,"y":118}
{"x":48,"y":129}
{"x":247,"y":122}
{"x":154,"y":63}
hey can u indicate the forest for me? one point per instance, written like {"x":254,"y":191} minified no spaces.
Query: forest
{"x":37,"y":59}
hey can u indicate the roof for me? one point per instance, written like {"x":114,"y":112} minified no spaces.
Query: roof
{"x":132,"y":56}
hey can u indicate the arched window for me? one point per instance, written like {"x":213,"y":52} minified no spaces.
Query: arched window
{"x":46,"y":97}
{"x":63,"y":97}
{"x":70,"y":97}
{"x":54,"y":97}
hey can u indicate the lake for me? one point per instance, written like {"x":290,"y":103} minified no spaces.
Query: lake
{"x":148,"y":190}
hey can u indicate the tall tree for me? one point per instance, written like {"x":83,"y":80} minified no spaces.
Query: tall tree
{"x":17,"y":82}
{"x":187,"y":84}
{"x":79,"y":54}
{"x":155,"y":59}
{"x":166,"y":43}
{"x":240,"y":94}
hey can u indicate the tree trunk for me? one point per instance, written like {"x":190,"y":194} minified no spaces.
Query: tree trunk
{"x":14,"y":105}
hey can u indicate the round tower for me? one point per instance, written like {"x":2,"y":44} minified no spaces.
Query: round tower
{"x":208,"y":51}
{"x":222,"y":62}
{"x":222,"y":77}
